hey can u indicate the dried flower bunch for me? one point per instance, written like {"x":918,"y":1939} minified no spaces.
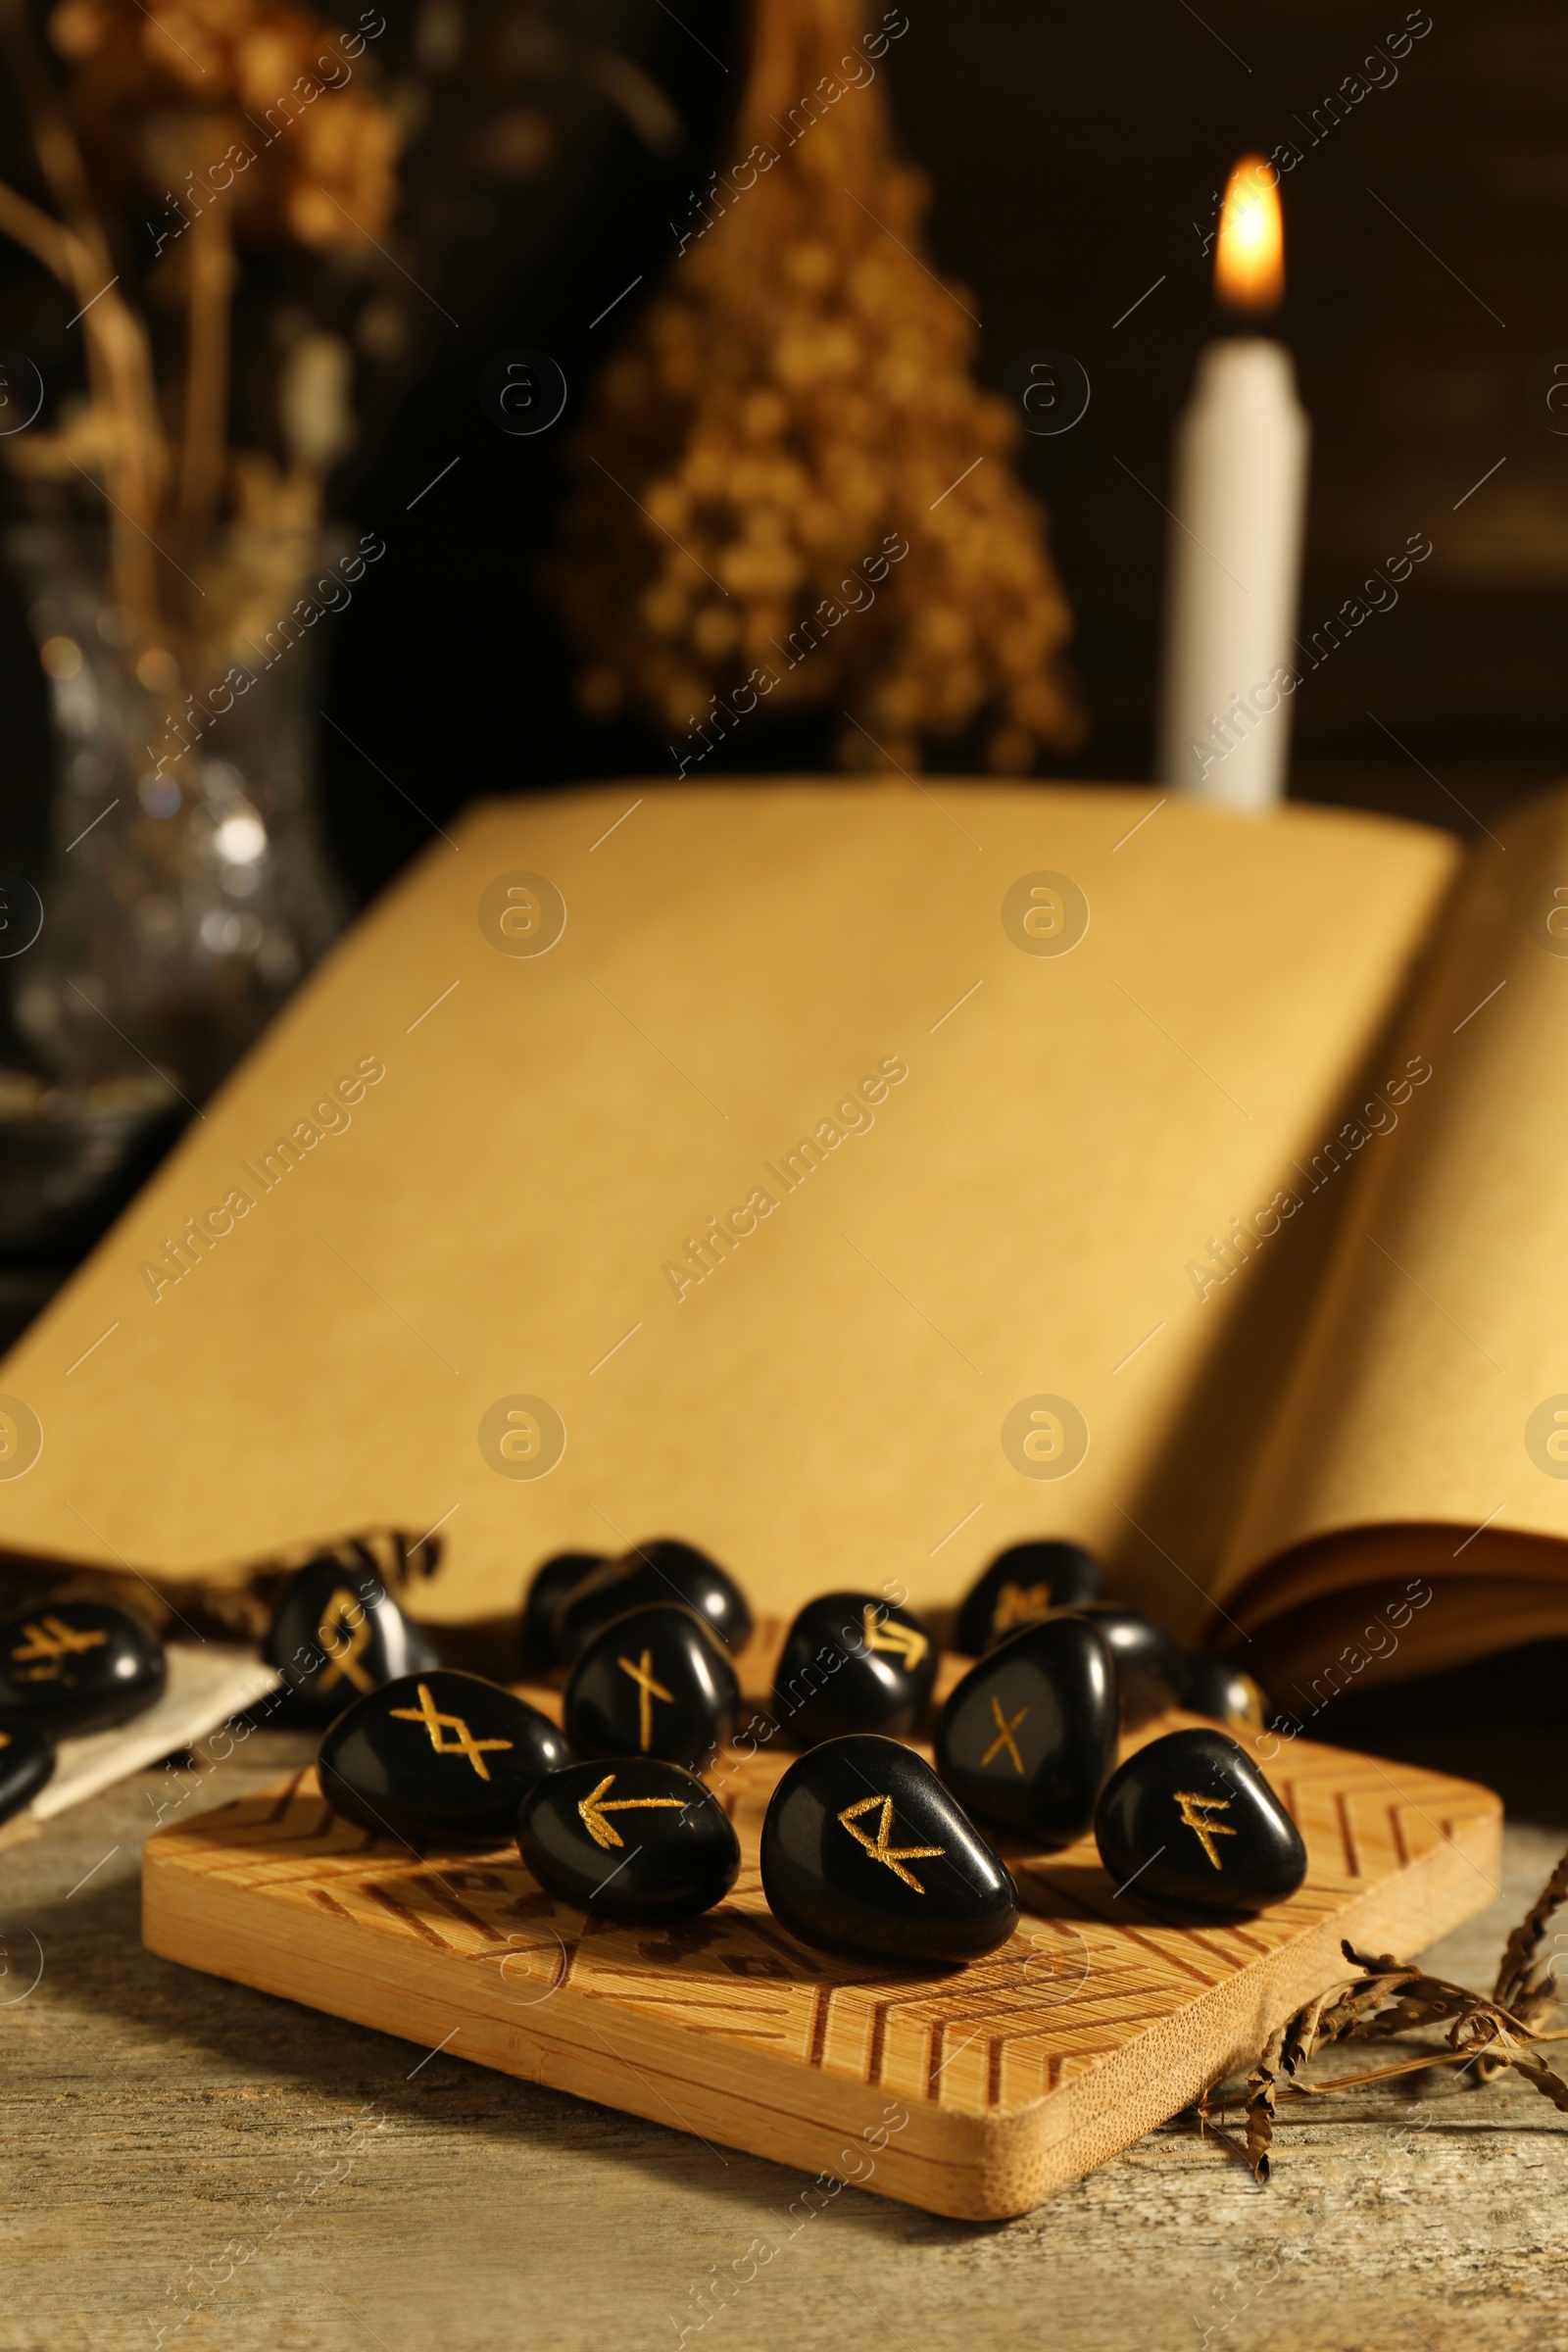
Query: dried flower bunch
{"x":232,"y":88}
{"x":228,"y":118}
{"x":1484,"y":2036}
{"x":794,"y":403}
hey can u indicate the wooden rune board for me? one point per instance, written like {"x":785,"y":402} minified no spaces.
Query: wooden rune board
{"x":974,"y":2092}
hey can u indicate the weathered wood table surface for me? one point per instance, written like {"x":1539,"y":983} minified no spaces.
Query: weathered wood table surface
{"x":193,"y":2164}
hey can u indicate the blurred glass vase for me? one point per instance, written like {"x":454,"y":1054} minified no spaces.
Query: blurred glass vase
{"x":190,"y":889}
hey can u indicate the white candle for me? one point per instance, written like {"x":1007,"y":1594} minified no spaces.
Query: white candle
{"x":1238,"y":502}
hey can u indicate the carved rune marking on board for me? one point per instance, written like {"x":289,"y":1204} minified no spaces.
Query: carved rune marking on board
{"x":1005,"y":1727}
{"x":1194,"y":1812}
{"x":435,"y":1723}
{"x":903,"y":1641}
{"x":895,"y":1856}
{"x":592,"y":1810}
{"x":339,"y":1619}
{"x":647,"y":1691}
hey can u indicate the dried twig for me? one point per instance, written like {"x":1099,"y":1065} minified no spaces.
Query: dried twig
{"x":1484,"y":2036}
{"x":209,"y":274}
{"x":1515,"y":1976}
{"x":120,"y":364}
{"x":1260,"y":2103}
{"x":188,"y":556}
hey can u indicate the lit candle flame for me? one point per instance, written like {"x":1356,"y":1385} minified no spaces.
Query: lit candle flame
{"x":1249,"y":261}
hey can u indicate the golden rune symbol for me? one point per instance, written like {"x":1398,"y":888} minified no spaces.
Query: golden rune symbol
{"x":1194,"y":1812}
{"x":895,"y":1856}
{"x":906,"y":1640}
{"x":52,"y":1640}
{"x":435,"y":1723}
{"x":647,"y":1691}
{"x":592,"y":1810}
{"x":337,"y":1619}
{"x":1019,"y":1605}
{"x":1005,"y":1727}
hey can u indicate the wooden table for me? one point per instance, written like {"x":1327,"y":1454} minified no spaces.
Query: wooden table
{"x":188,"y":2157}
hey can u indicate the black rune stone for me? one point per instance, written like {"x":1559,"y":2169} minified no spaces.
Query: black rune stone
{"x":337,"y":1634}
{"x":662,"y":1570}
{"x":550,"y":1586}
{"x":629,"y":1837}
{"x":440,"y":1758}
{"x":27,"y":1761}
{"x":655,"y":1683}
{"x":1194,"y":1822}
{"x":1213,"y":1686}
{"x":72,"y":1666}
{"x":866,"y":1853}
{"x":1150,"y":1663}
{"x":1020,"y":1586}
{"x":1026,"y":1740}
{"x":853,"y":1663}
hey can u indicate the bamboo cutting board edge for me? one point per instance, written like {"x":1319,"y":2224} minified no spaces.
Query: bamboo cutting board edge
{"x":259,"y":1910}
{"x":972,"y":2168}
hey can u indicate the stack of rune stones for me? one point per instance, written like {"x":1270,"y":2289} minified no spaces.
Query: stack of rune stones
{"x":867,"y":1849}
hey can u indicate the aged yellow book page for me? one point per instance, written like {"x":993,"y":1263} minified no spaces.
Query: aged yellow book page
{"x":1424,"y":1432}
{"x":838,"y":1176}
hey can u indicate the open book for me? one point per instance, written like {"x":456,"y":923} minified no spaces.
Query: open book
{"x":855,"y":1179}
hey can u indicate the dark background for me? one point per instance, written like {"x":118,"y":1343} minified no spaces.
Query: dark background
{"x":1075,"y":156}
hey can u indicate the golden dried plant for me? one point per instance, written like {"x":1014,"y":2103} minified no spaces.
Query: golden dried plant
{"x":1484,"y":2036}
{"x":795,"y":402}
{"x":240,"y":115}
{"x":162,"y":100}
